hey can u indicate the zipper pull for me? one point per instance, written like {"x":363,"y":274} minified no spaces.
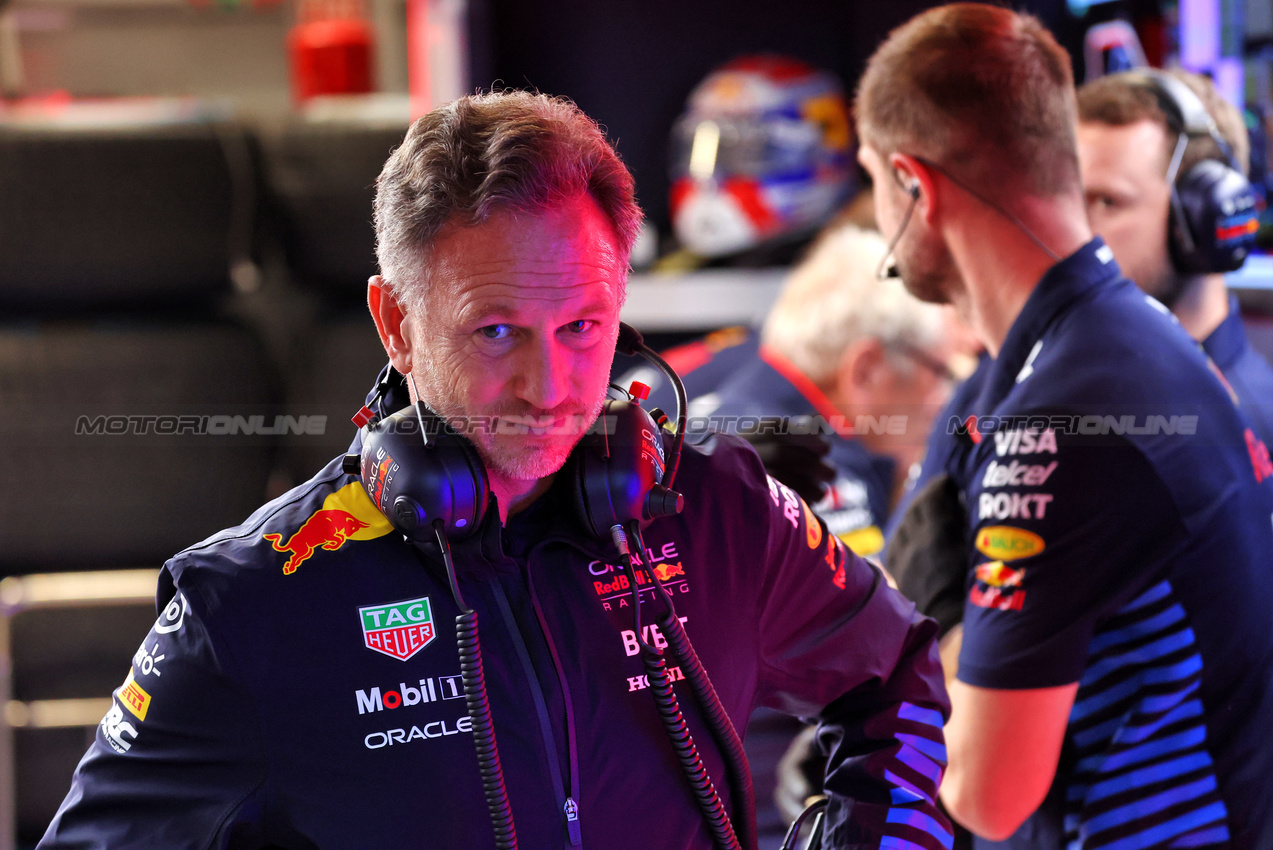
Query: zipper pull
{"x":572,"y":822}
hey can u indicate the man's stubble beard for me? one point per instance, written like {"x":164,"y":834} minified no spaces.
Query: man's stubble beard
{"x":1165,"y":283}
{"x":929,"y":273}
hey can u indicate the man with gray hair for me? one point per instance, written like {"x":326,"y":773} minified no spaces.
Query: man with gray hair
{"x":474,"y":629}
{"x":858,"y":359}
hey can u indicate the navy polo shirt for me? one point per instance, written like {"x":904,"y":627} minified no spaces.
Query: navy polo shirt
{"x":702,"y":365}
{"x":1121,"y":537}
{"x":1248,"y":374}
{"x":856,"y":506}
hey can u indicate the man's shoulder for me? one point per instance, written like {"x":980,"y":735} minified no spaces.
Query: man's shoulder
{"x":313,"y":521}
{"x":1251,"y":378}
{"x":715,"y":462}
{"x":1119,"y":347}
{"x":755,"y":388}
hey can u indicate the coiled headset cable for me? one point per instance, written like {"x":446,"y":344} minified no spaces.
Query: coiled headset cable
{"x":479,"y":706}
{"x":725,"y":834}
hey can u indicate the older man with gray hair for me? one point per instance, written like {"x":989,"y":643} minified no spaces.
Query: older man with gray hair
{"x":854,"y":357}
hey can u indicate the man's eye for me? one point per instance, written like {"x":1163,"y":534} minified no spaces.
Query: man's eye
{"x":579,"y":326}
{"x":496,"y":331}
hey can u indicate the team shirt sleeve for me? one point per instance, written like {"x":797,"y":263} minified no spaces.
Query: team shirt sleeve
{"x":177,"y":759}
{"x":1064,"y":531}
{"x":839,"y":644}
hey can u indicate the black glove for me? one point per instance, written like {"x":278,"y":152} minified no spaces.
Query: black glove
{"x":928,"y":556}
{"x":800,"y":773}
{"x":797,"y":460}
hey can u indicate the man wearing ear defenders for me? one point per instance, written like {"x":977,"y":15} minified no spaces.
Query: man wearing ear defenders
{"x":1149,"y":209}
{"x":310,"y":688}
{"x":1108,"y":505}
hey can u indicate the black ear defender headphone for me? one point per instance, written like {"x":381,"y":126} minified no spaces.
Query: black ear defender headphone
{"x":1213,"y":217}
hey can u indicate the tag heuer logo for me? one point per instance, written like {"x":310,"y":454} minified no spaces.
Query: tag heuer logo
{"x":399,"y":629}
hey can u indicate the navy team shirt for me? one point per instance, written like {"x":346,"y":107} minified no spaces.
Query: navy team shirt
{"x":856,"y":505}
{"x":1248,"y":374}
{"x":1121,"y":537}
{"x":702,"y":365}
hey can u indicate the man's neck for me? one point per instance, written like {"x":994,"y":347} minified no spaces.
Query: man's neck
{"x":1203,"y":304}
{"x":514,"y":495}
{"x":1001,"y":265}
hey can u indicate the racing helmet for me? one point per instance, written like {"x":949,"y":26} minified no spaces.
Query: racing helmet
{"x":762,"y":149}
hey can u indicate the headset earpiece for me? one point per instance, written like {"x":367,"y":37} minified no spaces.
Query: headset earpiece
{"x":618,"y":468}
{"x":1214,"y":219}
{"x":1213,"y":215}
{"x":417,"y":469}
{"x":913,"y":189}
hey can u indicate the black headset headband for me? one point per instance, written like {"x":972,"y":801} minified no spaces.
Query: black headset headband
{"x":1186,"y":114}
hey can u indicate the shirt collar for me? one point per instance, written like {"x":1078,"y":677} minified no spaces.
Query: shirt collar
{"x":1228,"y":341}
{"x":805,"y":388}
{"x":1086,"y":269}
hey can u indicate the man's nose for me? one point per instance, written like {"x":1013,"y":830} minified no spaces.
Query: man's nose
{"x":545,"y":375}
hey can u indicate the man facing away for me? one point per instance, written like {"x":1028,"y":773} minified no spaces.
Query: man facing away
{"x":1128,"y":132}
{"x":1114,"y":681}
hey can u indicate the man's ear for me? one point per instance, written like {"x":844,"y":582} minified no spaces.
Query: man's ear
{"x":392,"y":323}
{"x":861,"y":368}
{"x":916,"y":177}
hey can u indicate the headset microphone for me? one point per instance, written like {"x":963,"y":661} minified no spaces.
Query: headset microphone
{"x":888,"y":264}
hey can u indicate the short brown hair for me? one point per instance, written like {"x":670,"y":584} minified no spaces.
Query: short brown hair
{"x":982,"y":91}
{"x":1121,"y":99}
{"x":485,"y":153}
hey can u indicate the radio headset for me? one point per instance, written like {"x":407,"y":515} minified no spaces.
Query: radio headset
{"x":438,"y":491}
{"x":1213,"y":216}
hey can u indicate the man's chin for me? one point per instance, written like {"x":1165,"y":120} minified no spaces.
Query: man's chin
{"x":527,"y":463}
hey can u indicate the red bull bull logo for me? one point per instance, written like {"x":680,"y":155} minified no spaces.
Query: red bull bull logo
{"x":667,"y":571}
{"x":999,"y":574}
{"x":998,"y":586}
{"x":346,"y":514}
